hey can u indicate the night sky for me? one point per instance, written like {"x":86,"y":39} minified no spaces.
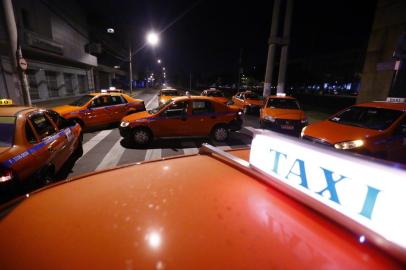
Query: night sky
{"x":207,"y":39}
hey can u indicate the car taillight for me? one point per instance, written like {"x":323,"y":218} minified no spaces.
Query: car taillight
{"x":6,"y":175}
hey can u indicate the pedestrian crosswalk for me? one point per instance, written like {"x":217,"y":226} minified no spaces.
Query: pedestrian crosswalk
{"x":106,"y":149}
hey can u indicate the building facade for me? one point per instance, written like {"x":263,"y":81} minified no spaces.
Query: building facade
{"x":53,"y":36}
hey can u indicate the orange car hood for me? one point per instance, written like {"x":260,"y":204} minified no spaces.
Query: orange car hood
{"x":284,"y":113}
{"x":164,"y":99}
{"x":137,"y":116}
{"x":66,"y":109}
{"x":221,"y":99}
{"x":170,"y":215}
{"x":3,"y":151}
{"x":335,"y":133}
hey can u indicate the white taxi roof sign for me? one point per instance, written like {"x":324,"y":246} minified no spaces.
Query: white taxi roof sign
{"x":360,"y":194}
{"x":395,"y":99}
{"x":5,"y":101}
{"x":281,"y":94}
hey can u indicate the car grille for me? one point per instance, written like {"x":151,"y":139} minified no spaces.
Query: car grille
{"x":316,"y":140}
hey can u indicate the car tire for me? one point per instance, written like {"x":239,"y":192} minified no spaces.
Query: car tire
{"x":141,"y":136}
{"x":220,"y":133}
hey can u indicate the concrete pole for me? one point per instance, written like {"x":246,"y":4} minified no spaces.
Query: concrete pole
{"x":15,"y":50}
{"x":285,"y":47}
{"x":271,"y":48}
{"x":131,"y":70}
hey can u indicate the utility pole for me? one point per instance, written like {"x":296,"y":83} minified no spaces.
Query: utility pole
{"x":271,"y":48}
{"x":18,"y":63}
{"x":285,"y":45}
{"x":130,"y":67}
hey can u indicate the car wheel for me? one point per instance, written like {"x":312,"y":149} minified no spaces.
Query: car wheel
{"x":220,"y":133}
{"x":141,"y":136}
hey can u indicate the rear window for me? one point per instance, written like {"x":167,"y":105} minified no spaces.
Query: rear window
{"x":7,"y":128}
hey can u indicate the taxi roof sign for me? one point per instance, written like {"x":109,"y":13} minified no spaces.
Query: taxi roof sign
{"x":395,"y":99}
{"x":360,"y":194}
{"x":6,"y":102}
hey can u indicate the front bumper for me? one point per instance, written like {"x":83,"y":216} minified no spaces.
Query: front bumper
{"x":291,"y":127}
{"x":125,"y":131}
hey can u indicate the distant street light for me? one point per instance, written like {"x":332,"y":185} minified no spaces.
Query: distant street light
{"x":116,"y":66}
{"x":152,"y":38}
{"x":159,"y":61}
{"x":110,"y":30}
{"x":163,"y":68}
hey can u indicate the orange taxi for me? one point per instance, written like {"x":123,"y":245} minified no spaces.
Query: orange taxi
{"x":376,"y":129}
{"x":282,"y":113}
{"x":248,"y":101}
{"x":211,"y":210}
{"x":181,"y":117}
{"x":34,"y":144}
{"x":217,"y":95}
{"x":100,"y":109}
{"x":166,"y":94}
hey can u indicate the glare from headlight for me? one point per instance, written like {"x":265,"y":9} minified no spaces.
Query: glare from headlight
{"x":349,"y":144}
{"x":302,"y":133}
{"x":124,"y":124}
{"x":270,"y":118}
{"x":303,"y":121}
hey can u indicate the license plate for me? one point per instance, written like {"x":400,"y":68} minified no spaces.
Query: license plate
{"x":289,"y":127}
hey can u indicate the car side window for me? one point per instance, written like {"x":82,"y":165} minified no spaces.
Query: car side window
{"x":101,"y":101}
{"x":29,"y":134}
{"x":202,"y":107}
{"x":116,"y":100}
{"x":177,"y":109}
{"x":57,"y":119}
{"x":42,"y":125}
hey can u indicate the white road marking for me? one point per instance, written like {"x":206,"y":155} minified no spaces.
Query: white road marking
{"x":153,"y":154}
{"x":190,"y":151}
{"x":95,"y":140}
{"x":224,"y":147}
{"x":148,"y":106}
{"x":112,"y":158}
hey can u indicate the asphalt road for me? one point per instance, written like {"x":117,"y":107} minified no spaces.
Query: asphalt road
{"x":103,"y":149}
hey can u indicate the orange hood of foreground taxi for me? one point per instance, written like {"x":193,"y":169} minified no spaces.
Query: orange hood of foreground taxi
{"x":164,"y":99}
{"x":66,"y":109}
{"x":169,"y":215}
{"x":284,"y":113}
{"x":334,"y":133}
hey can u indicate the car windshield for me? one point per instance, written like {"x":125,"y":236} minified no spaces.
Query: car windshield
{"x":367,"y":117}
{"x":282,"y":103}
{"x":7,"y":127}
{"x":170,"y":93}
{"x":157,"y":109}
{"x":252,"y":96}
{"x":81,"y":101}
{"x":214,"y":94}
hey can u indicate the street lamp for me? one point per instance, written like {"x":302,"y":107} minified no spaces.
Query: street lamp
{"x":152,"y":38}
{"x":159,"y":61}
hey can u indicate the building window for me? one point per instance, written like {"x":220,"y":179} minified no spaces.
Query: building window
{"x":82,"y":83}
{"x":52,"y":83}
{"x":68,"y":83}
{"x":34,"y":94}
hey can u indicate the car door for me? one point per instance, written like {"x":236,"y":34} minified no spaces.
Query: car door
{"x":203,"y":117}
{"x":51,"y":142}
{"x":173,"y":121}
{"x":118,"y":107}
{"x":99,"y":113}
{"x":396,"y":146}
{"x":62,"y":126}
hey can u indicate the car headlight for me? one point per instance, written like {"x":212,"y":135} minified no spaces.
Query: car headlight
{"x":124,"y":124}
{"x":269,"y":118}
{"x":302,"y":133}
{"x":349,"y":144}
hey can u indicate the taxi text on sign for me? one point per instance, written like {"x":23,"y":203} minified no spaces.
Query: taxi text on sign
{"x":369,"y":193}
